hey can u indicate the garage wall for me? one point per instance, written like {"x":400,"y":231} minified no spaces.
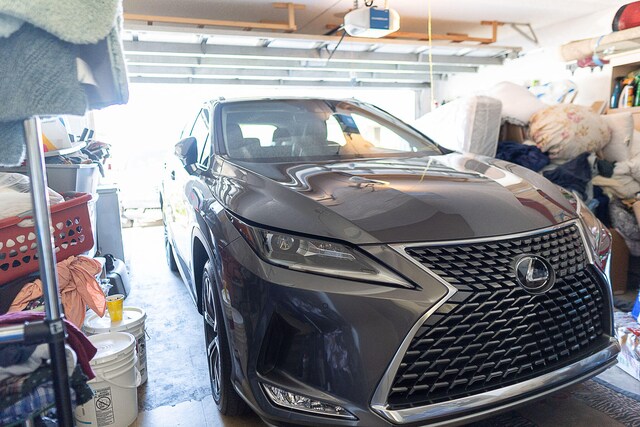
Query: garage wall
{"x":541,"y":62}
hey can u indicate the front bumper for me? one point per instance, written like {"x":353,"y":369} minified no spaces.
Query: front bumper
{"x":332,"y":340}
{"x":481,"y":405}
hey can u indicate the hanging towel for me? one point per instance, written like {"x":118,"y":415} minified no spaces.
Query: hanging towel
{"x":75,"y":21}
{"x":39,"y":77}
{"x":85,"y":351}
{"x":78,"y":289}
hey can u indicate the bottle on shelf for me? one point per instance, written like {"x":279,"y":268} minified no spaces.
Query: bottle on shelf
{"x":636,"y":81}
{"x":617,"y":91}
{"x":628,"y":91}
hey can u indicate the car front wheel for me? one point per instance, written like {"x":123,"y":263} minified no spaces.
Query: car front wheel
{"x":218,"y":351}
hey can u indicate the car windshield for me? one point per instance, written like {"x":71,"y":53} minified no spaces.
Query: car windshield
{"x":292,"y":130}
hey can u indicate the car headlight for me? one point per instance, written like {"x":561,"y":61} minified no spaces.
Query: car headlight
{"x":316,"y":256}
{"x":597,"y":234}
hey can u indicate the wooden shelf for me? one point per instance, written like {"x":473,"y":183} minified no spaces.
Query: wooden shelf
{"x":632,"y":110}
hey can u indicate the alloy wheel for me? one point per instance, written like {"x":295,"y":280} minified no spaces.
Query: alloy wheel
{"x":212,"y":340}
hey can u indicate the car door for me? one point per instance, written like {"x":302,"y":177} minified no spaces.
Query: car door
{"x":183,"y":215}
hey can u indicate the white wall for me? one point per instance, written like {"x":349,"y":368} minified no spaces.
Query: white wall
{"x":543,"y":62}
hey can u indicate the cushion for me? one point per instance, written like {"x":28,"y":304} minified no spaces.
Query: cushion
{"x":469,"y":125}
{"x":621,"y":127}
{"x":565,"y":131}
{"x":634,"y":146}
{"x":518,"y":104}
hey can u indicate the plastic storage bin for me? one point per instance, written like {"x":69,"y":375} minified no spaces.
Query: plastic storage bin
{"x":82,"y":178}
{"x":71,"y":229}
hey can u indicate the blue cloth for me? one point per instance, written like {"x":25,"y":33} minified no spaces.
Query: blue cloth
{"x":528,"y":156}
{"x":37,"y":401}
{"x":573,"y":175}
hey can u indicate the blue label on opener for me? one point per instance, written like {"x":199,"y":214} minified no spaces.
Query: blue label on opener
{"x":379,"y":18}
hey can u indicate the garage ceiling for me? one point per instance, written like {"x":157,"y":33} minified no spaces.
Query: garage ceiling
{"x":173,"y":53}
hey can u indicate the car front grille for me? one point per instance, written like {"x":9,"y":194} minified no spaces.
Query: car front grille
{"x":492,"y":333}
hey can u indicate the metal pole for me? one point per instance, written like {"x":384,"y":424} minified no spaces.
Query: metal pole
{"x":48,"y":274}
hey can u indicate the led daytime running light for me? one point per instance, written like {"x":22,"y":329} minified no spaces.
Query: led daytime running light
{"x":295,"y":401}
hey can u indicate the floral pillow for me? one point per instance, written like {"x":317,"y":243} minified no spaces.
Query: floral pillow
{"x":565,"y":131}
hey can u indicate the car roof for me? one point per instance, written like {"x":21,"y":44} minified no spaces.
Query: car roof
{"x":280,"y":98}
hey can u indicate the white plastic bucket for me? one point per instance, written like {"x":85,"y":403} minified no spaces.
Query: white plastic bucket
{"x":133,"y":321}
{"x":115,"y":400}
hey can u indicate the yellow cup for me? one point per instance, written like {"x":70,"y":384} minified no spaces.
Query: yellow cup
{"x":114,"y":305}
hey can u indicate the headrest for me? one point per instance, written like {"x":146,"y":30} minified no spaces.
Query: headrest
{"x":316,"y":130}
{"x":234,"y":134}
{"x":281,"y":135}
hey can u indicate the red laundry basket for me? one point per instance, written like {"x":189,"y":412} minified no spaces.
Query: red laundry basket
{"x":71,"y":229}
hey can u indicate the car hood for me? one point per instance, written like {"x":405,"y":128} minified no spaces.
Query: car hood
{"x":431,"y":198}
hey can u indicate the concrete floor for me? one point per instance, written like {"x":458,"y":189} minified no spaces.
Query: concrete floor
{"x":177,"y":392}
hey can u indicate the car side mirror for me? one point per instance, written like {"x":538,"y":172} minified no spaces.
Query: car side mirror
{"x":187,"y":151}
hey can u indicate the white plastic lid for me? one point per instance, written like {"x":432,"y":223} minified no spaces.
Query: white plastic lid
{"x":111,"y":346}
{"x":131,"y":317}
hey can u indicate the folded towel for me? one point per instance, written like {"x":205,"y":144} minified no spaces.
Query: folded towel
{"x":39,"y":77}
{"x":9,"y":25}
{"x":75,"y":21}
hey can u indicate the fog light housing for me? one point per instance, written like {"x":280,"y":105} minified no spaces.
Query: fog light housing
{"x":289,"y":400}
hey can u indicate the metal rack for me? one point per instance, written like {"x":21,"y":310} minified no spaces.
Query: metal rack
{"x":52,"y":329}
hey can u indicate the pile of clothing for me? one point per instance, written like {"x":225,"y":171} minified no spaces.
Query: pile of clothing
{"x":77,"y":285}
{"x":26,"y":385}
{"x":594,"y":156}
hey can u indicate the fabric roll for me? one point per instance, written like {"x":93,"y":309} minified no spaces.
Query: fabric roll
{"x":15,"y":354}
{"x":15,"y":388}
{"x":39,"y":357}
{"x":85,"y":351}
{"x":38,"y":400}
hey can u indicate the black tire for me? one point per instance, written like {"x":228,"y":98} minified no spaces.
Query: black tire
{"x":218,"y":352}
{"x":168,"y":251}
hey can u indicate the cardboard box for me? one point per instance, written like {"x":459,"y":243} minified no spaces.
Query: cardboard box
{"x":619,"y":263}
{"x":627,"y":332}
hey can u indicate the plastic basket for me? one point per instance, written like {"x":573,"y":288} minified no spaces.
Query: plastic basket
{"x":70,"y":227}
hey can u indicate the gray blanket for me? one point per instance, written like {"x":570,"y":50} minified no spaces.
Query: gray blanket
{"x":39,"y":77}
{"x":75,"y":21}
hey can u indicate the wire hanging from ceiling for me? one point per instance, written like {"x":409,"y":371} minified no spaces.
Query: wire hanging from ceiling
{"x":433,"y":102}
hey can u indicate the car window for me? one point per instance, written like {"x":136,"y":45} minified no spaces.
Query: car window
{"x":291,"y":130}
{"x":200,"y":132}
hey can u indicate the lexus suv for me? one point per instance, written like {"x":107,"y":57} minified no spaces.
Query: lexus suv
{"x":350,"y":271}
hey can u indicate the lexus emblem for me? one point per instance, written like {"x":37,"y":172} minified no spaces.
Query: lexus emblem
{"x":534,"y":274}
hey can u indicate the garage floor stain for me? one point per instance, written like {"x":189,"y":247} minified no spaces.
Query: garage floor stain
{"x":177,"y":392}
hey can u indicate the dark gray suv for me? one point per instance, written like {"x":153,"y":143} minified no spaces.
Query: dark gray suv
{"x":351,"y":272}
